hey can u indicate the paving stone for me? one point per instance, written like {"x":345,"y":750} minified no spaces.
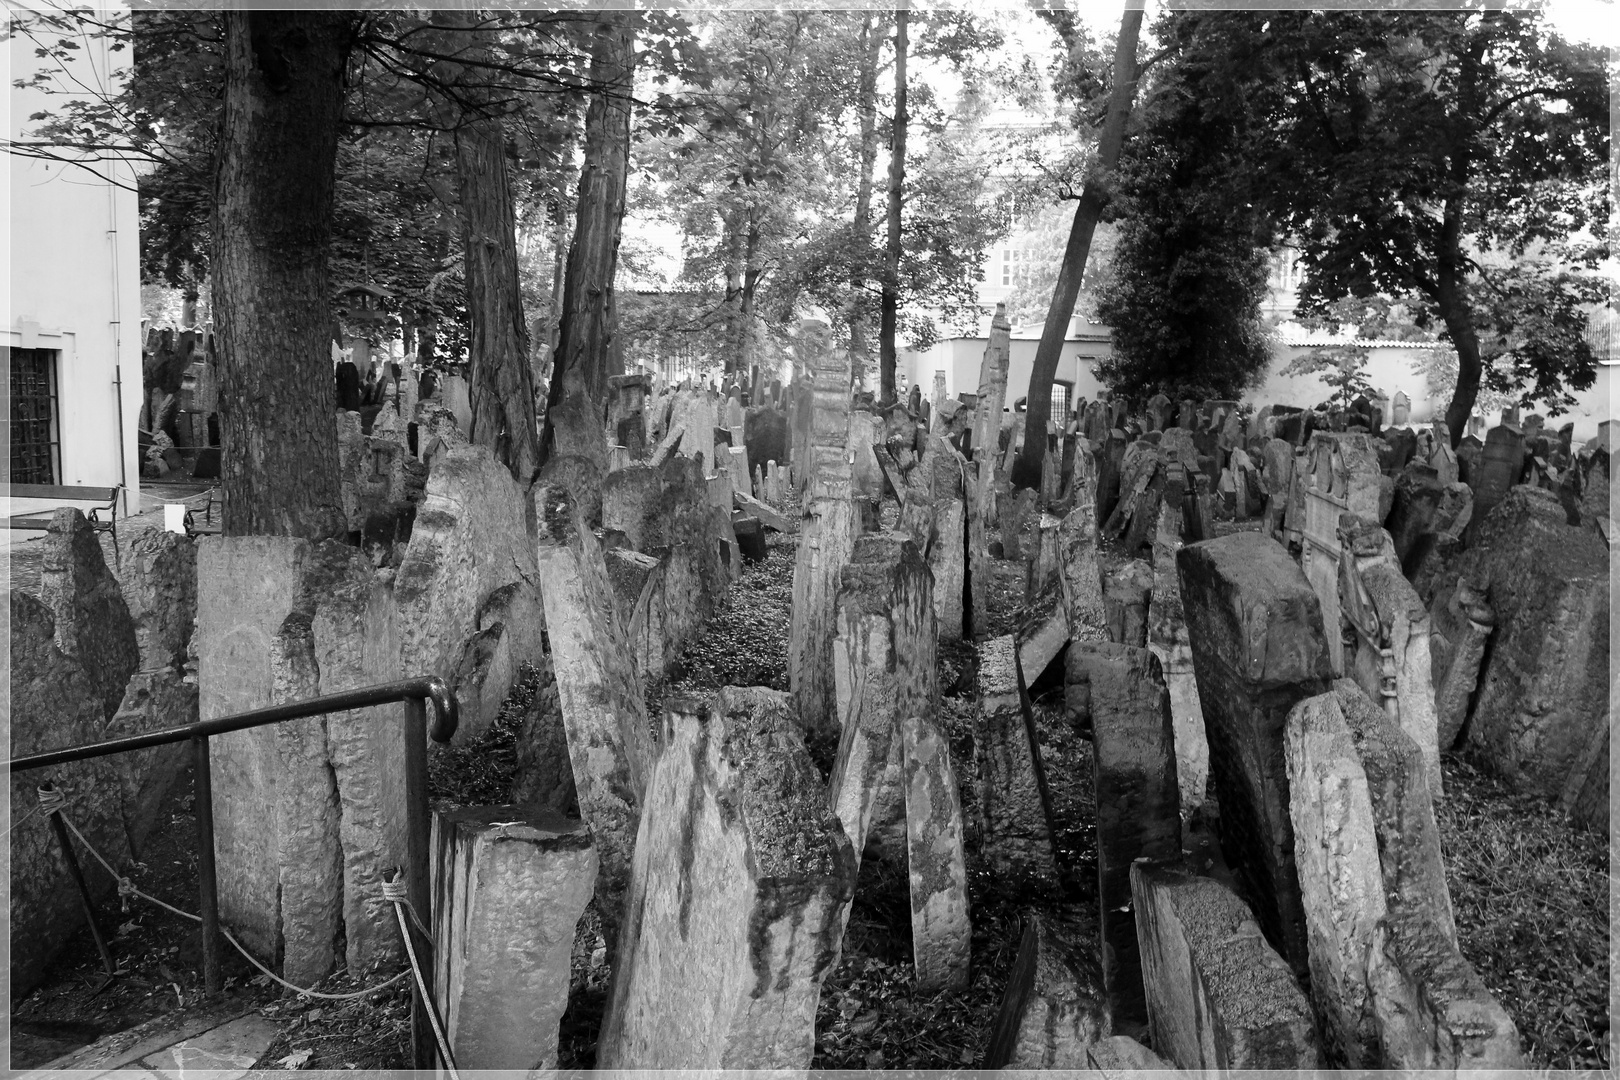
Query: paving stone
{"x":223,"y":1053}
{"x":510,"y":884}
{"x":1055,"y":1009}
{"x":743,"y":880}
{"x":1256,"y":631}
{"x":1218,"y":996}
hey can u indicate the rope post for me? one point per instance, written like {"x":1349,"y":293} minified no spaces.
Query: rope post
{"x":54,"y":804}
{"x":207,"y":878}
{"x":424,"y":1048}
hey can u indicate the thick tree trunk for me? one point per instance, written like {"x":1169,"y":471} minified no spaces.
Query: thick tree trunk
{"x":271,"y":229}
{"x":889,"y":313}
{"x":502,"y":389}
{"x":576,"y":408}
{"x":872,"y":47}
{"x":1093,"y":199}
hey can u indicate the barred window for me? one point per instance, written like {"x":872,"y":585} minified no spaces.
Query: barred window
{"x":35,"y":431}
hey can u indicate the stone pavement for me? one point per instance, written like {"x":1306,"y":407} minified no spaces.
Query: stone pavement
{"x":223,"y":1042}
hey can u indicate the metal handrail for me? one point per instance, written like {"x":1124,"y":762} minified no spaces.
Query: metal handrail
{"x":431,"y":687}
{"x":415,"y":693}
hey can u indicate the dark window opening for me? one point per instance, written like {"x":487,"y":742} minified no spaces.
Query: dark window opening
{"x":35,"y":433}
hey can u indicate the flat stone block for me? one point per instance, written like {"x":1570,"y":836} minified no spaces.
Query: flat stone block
{"x":225,"y":1053}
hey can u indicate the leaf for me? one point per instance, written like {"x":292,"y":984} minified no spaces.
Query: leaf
{"x":296,"y":1059}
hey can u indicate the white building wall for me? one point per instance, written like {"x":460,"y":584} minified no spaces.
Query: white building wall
{"x":75,"y":283}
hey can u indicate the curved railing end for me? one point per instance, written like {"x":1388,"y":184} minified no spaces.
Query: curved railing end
{"x":445,"y":715}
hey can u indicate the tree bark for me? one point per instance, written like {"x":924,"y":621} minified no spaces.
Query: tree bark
{"x":502,"y":385}
{"x":576,"y":407}
{"x":889,"y":313}
{"x":270,"y":234}
{"x":1093,"y":199}
{"x":871,"y":47}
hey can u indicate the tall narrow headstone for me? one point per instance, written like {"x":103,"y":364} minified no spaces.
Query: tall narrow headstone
{"x":986,"y":428}
{"x":1014,"y":802}
{"x":828,"y":530}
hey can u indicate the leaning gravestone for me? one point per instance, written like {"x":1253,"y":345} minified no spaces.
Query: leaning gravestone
{"x":1258,"y":649}
{"x":603,"y":710}
{"x":742,"y":882}
{"x":92,"y":620}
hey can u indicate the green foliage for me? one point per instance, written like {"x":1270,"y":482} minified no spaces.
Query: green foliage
{"x":1406,"y":151}
{"x":1342,"y":367}
{"x":1190,"y":267}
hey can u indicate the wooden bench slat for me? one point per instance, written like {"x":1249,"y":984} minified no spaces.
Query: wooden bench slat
{"x":60,"y":491}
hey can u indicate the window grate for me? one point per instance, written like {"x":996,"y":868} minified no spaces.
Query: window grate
{"x":1060,"y":401}
{"x":35,"y":453}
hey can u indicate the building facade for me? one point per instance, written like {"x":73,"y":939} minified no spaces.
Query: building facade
{"x":74,"y":304}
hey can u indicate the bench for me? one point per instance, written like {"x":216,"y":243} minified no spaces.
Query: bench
{"x":31,"y":519}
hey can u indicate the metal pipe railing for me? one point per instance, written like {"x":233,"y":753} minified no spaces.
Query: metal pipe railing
{"x":415,"y":693}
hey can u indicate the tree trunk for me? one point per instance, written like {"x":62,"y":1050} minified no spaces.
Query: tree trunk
{"x":502,"y":386}
{"x":872,"y":46}
{"x":270,"y":234}
{"x":577,"y":407}
{"x":559,"y":266}
{"x":1093,"y":199}
{"x":889,"y":313}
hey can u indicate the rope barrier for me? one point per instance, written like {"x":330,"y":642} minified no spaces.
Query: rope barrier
{"x":396,"y":889}
{"x":54,"y":802}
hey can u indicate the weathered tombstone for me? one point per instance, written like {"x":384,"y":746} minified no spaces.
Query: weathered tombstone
{"x":609,"y":742}
{"x":469,"y":543}
{"x":1126,"y":592}
{"x":742,"y":880}
{"x":510,"y":884}
{"x":93,"y":624}
{"x":1055,"y":1010}
{"x":883,"y":670}
{"x":864,"y":435}
{"x":1013,"y":798}
{"x":1279,"y":479}
{"x":827,"y":532}
{"x":630,"y":504}
{"x":938,"y":401}
{"x":1218,"y":996}
{"x":1170,"y":642}
{"x":1418,"y":491}
{"x":53,"y":703}
{"x":1462,"y":622}
{"x":1500,"y":465}
{"x":941,"y":932}
{"x":986,"y":424}
{"x":1256,"y":630}
{"x":1392,"y":632}
{"x":1341,"y":477}
{"x":1543,"y":686}
{"x":1340,"y":880}
{"x":1158,"y":412}
{"x":1138,"y":806}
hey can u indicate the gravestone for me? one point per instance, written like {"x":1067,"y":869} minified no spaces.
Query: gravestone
{"x":827,"y":531}
{"x":1341,"y":477}
{"x":604,"y":713}
{"x":1169,"y":639}
{"x":1055,"y":1010}
{"x":981,"y":474}
{"x":743,"y":879}
{"x":1138,"y":806}
{"x":1256,"y":632}
{"x":1218,"y":996}
{"x":941,"y":931}
{"x":93,"y":624}
{"x":511,"y":883}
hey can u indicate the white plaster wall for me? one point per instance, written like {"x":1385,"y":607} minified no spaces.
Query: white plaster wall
{"x":73,"y":242}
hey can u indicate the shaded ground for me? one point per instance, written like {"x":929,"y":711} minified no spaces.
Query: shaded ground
{"x":1527,"y":886}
